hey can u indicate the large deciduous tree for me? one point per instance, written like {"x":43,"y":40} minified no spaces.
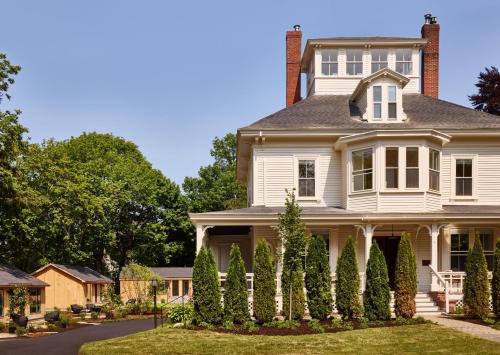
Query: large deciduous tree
{"x":488,"y":97}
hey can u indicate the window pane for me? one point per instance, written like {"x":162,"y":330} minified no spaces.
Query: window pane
{"x":334,"y":69}
{"x":310,"y":169}
{"x":391,"y":93}
{"x":325,"y":70}
{"x":486,"y":238}
{"x":467,"y":164}
{"x":302,"y":187}
{"x":377,"y":93}
{"x":459,"y":189}
{"x":302,"y":169}
{"x":403,"y":55}
{"x":412,"y":178}
{"x":434,"y":159}
{"x":367,"y":161}
{"x":392,"y":110}
{"x":358,"y":68}
{"x":412,"y":157}
{"x":368,"y":180}
{"x":175,"y":288}
{"x":379,"y":55}
{"x":434,"y":180}
{"x":377,"y":110}
{"x":357,"y":159}
{"x":310,"y":187}
{"x":377,"y":66}
{"x":391,"y":157}
{"x":185,"y":287}
{"x":467,"y":187}
{"x":351,"y":69}
{"x":358,"y":182}
{"x":354,"y":55}
{"x":391,"y":178}
{"x":329,"y":55}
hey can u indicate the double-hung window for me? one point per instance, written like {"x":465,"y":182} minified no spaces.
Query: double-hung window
{"x":329,"y":62}
{"x":354,"y":62}
{"x":307,"y":181}
{"x":377,"y":102}
{"x":35,"y":299}
{"x":412,"y":171}
{"x":379,"y":59}
{"x":391,"y":102}
{"x":391,"y":167}
{"x":362,"y":170}
{"x":434,"y":169}
{"x":486,"y":236}
{"x":463,"y":177}
{"x":175,"y":287}
{"x":404,"y":64}
{"x":459,"y":249}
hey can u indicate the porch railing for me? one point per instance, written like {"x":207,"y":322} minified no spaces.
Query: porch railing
{"x":445,"y":285}
{"x":456,"y":280}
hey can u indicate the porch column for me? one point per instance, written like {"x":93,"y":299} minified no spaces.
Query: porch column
{"x":434,"y":231}
{"x":368,"y":231}
{"x":201,"y":236}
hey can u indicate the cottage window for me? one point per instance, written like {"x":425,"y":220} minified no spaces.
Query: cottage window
{"x":463,"y":177}
{"x":391,"y":102}
{"x":379,"y":59}
{"x":354,"y":62}
{"x":362,"y":171}
{"x":307,"y":181}
{"x":486,"y":237}
{"x":404,"y":64}
{"x":412,"y":170}
{"x":434,"y":169}
{"x":377,"y":102}
{"x":35,"y":300}
{"x":175,"y":288}
{"x":185,"y":287}
{"x":1,"y":303}
{"x":391,"y":167}
{"x":459,"y":249}
{"x":329,"y":62}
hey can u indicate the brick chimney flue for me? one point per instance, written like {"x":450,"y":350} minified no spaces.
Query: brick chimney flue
{"x":293,"y":58}
{"x":430,"y":57}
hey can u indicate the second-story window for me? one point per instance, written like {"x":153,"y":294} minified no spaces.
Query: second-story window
{"x":404,"y":64}
{"x":379,"y":59}
{"x":463,"y":176}
{"x":391,"y":167}
{"x":329,"y":62}
{"x":434,"y":169}
{"x":362,"y":170}
{"x":307,"y":182}
{"x":412,"y":171}
{"x":391,"y":102}
{"x":377,"y":102}
{"x":354,"y":60}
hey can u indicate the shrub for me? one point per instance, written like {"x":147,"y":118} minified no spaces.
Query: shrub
{"x":3,"y":326}
{"x":20,"y":331}
{"x":18,"y":299}
{"x":377,"y":296}
{"x":405,"y":288}
{"x":402,"y":320}
{"x":251,"y":327}
{"x":291,"y":231}
{"x":51,"y":327}
{"x":236,"y":288}
{"x":180,"y":313}
{"x":316,"y":326}
{"x":282,"y":324}
{"x":476,"y":284}
{"x":364,"y":322}
{"x":94,"y":315}
{"x":206,"y":325}
{"x":495,"y":282}
{"x":318,"y":279}
{"x":31,"y":328}
{"x":347,"y":285}
{"x":339,"y":324}
{"x":123,"y":312}
{"x":264,"y":286}
{"x":228,"y":325}
{"x":64,"y":320}
{"x":206,"y":293}
{"x":459,"y":310}
{"x":82,"y":315}
{"x":376,"y":323}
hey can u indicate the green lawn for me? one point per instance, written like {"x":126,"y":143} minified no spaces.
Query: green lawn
{"x":405,"y":339}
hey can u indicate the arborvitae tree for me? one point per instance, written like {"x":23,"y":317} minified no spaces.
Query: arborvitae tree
{"x":495,"y":283}
{"x":377,"y":296}
{"x":476,"y":285}
{"x":405,"y":288}
{"x":318,"y":279}
{"x":236,"y":289}
{"x":292,"y":233}
{"x":347,"y":285}
{"x":264,"y":286}
{"x":206,"y":293}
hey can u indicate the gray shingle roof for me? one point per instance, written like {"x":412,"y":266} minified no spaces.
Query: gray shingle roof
{"x":11,"y":276}
{"x":82,"y":273}
{"x":169,"y":272}
{"x":335,"y":112}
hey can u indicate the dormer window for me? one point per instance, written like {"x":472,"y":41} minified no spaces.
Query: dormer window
{"x":391,"y":102}
{"x":404,"y":64}
{"x":379,"y":59}
{"x":377,"y":102}
{"x":354,"y":62}
{"x":329,"y":62}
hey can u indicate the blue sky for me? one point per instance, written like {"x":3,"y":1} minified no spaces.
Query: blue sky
{"x":171,"y":75}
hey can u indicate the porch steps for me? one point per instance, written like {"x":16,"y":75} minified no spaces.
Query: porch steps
{"x":424,"y":302}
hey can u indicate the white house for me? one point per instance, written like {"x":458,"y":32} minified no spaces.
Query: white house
{"x":372,"y":152}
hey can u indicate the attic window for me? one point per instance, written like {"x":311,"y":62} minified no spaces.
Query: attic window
{"x":379,"y":59}
{"x":404,"y":64}
{"x":329,"y":62}
{"x":354,"y":62}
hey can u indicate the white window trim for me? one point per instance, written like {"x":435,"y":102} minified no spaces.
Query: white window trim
{"x":362,"y":61}
{"x":453,"y":174}
{"x":384,"y":163}
{"x":440,"y":170}
{"x":377,"y":61}
{"x":350,"y":171}
{"x":296,"y":177}
{"x":419,"y":168}
{"x":329,"y":62}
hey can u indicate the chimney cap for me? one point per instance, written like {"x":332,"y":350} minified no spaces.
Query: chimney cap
{"x":429,"y":19}
{"x":296,"y":27}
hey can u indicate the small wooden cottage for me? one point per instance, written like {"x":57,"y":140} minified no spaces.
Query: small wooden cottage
{"x":72,"y":284}
{"x":11,"y":277}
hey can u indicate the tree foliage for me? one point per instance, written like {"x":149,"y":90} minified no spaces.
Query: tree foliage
{"x":206,"y":294}
{"x":488,"y":97}
{"x":377,"y":295}
{"x":405,"y":288}
{"x":236,"y":288}
{"x":495,"y":283}
{"x":292,"y":232}
{"x":138,"y":285}
{"x":318,"y":279}
{"x":264,"y":286}
{"x":347,"y":284}
{"x":18,"y":299}
{"x":476,"y":284}
{"x":216,"y":187}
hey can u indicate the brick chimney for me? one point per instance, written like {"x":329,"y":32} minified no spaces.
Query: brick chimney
{"x":293,"y":58}
{"x":430,"y":57}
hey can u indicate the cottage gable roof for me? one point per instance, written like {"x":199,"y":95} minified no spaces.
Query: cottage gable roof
{"x":12,"y":276}
{"x":81,"y":273}
{"x":167,"y":273}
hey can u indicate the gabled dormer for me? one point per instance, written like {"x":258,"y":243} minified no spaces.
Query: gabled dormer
{"x":379,"y":96}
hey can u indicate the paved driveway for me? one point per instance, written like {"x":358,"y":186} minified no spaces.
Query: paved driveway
{"x":69,"y":342}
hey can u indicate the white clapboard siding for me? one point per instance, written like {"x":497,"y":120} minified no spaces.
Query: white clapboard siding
{"x":422,"y":245}
{"x":366,"y":202}
{"x":401,"y":202}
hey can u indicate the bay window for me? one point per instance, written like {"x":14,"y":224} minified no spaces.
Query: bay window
{"x":463,"y":177}
{"x":404,"y":64}
{"x":307,"y":181}
{"x":354,"y":62}
{"x":391,"y":167}
{"x":379,"y":59}
{"x":412,"y":171}
{"x":362,"y":170}
{"x":329,"y":62}
{"x":377,"y":102}
{"x":459,"y":249}
{"x":434,"y":169}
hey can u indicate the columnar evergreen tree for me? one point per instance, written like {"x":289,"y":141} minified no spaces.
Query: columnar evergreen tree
{"x":377,"y":296}
{"x":264,"y":287}
{"x":318,"y":279}
{"x":347,"y":285}
{"x":495,"y":283}
{"x":405,"y":288}
{"x":206,"y":293}
{"x":236,"y":289}
{"x":476,"y":285}
{"x":292,"y":232}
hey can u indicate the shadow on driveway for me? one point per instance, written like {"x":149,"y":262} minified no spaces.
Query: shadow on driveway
{"x":69,"y":342}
